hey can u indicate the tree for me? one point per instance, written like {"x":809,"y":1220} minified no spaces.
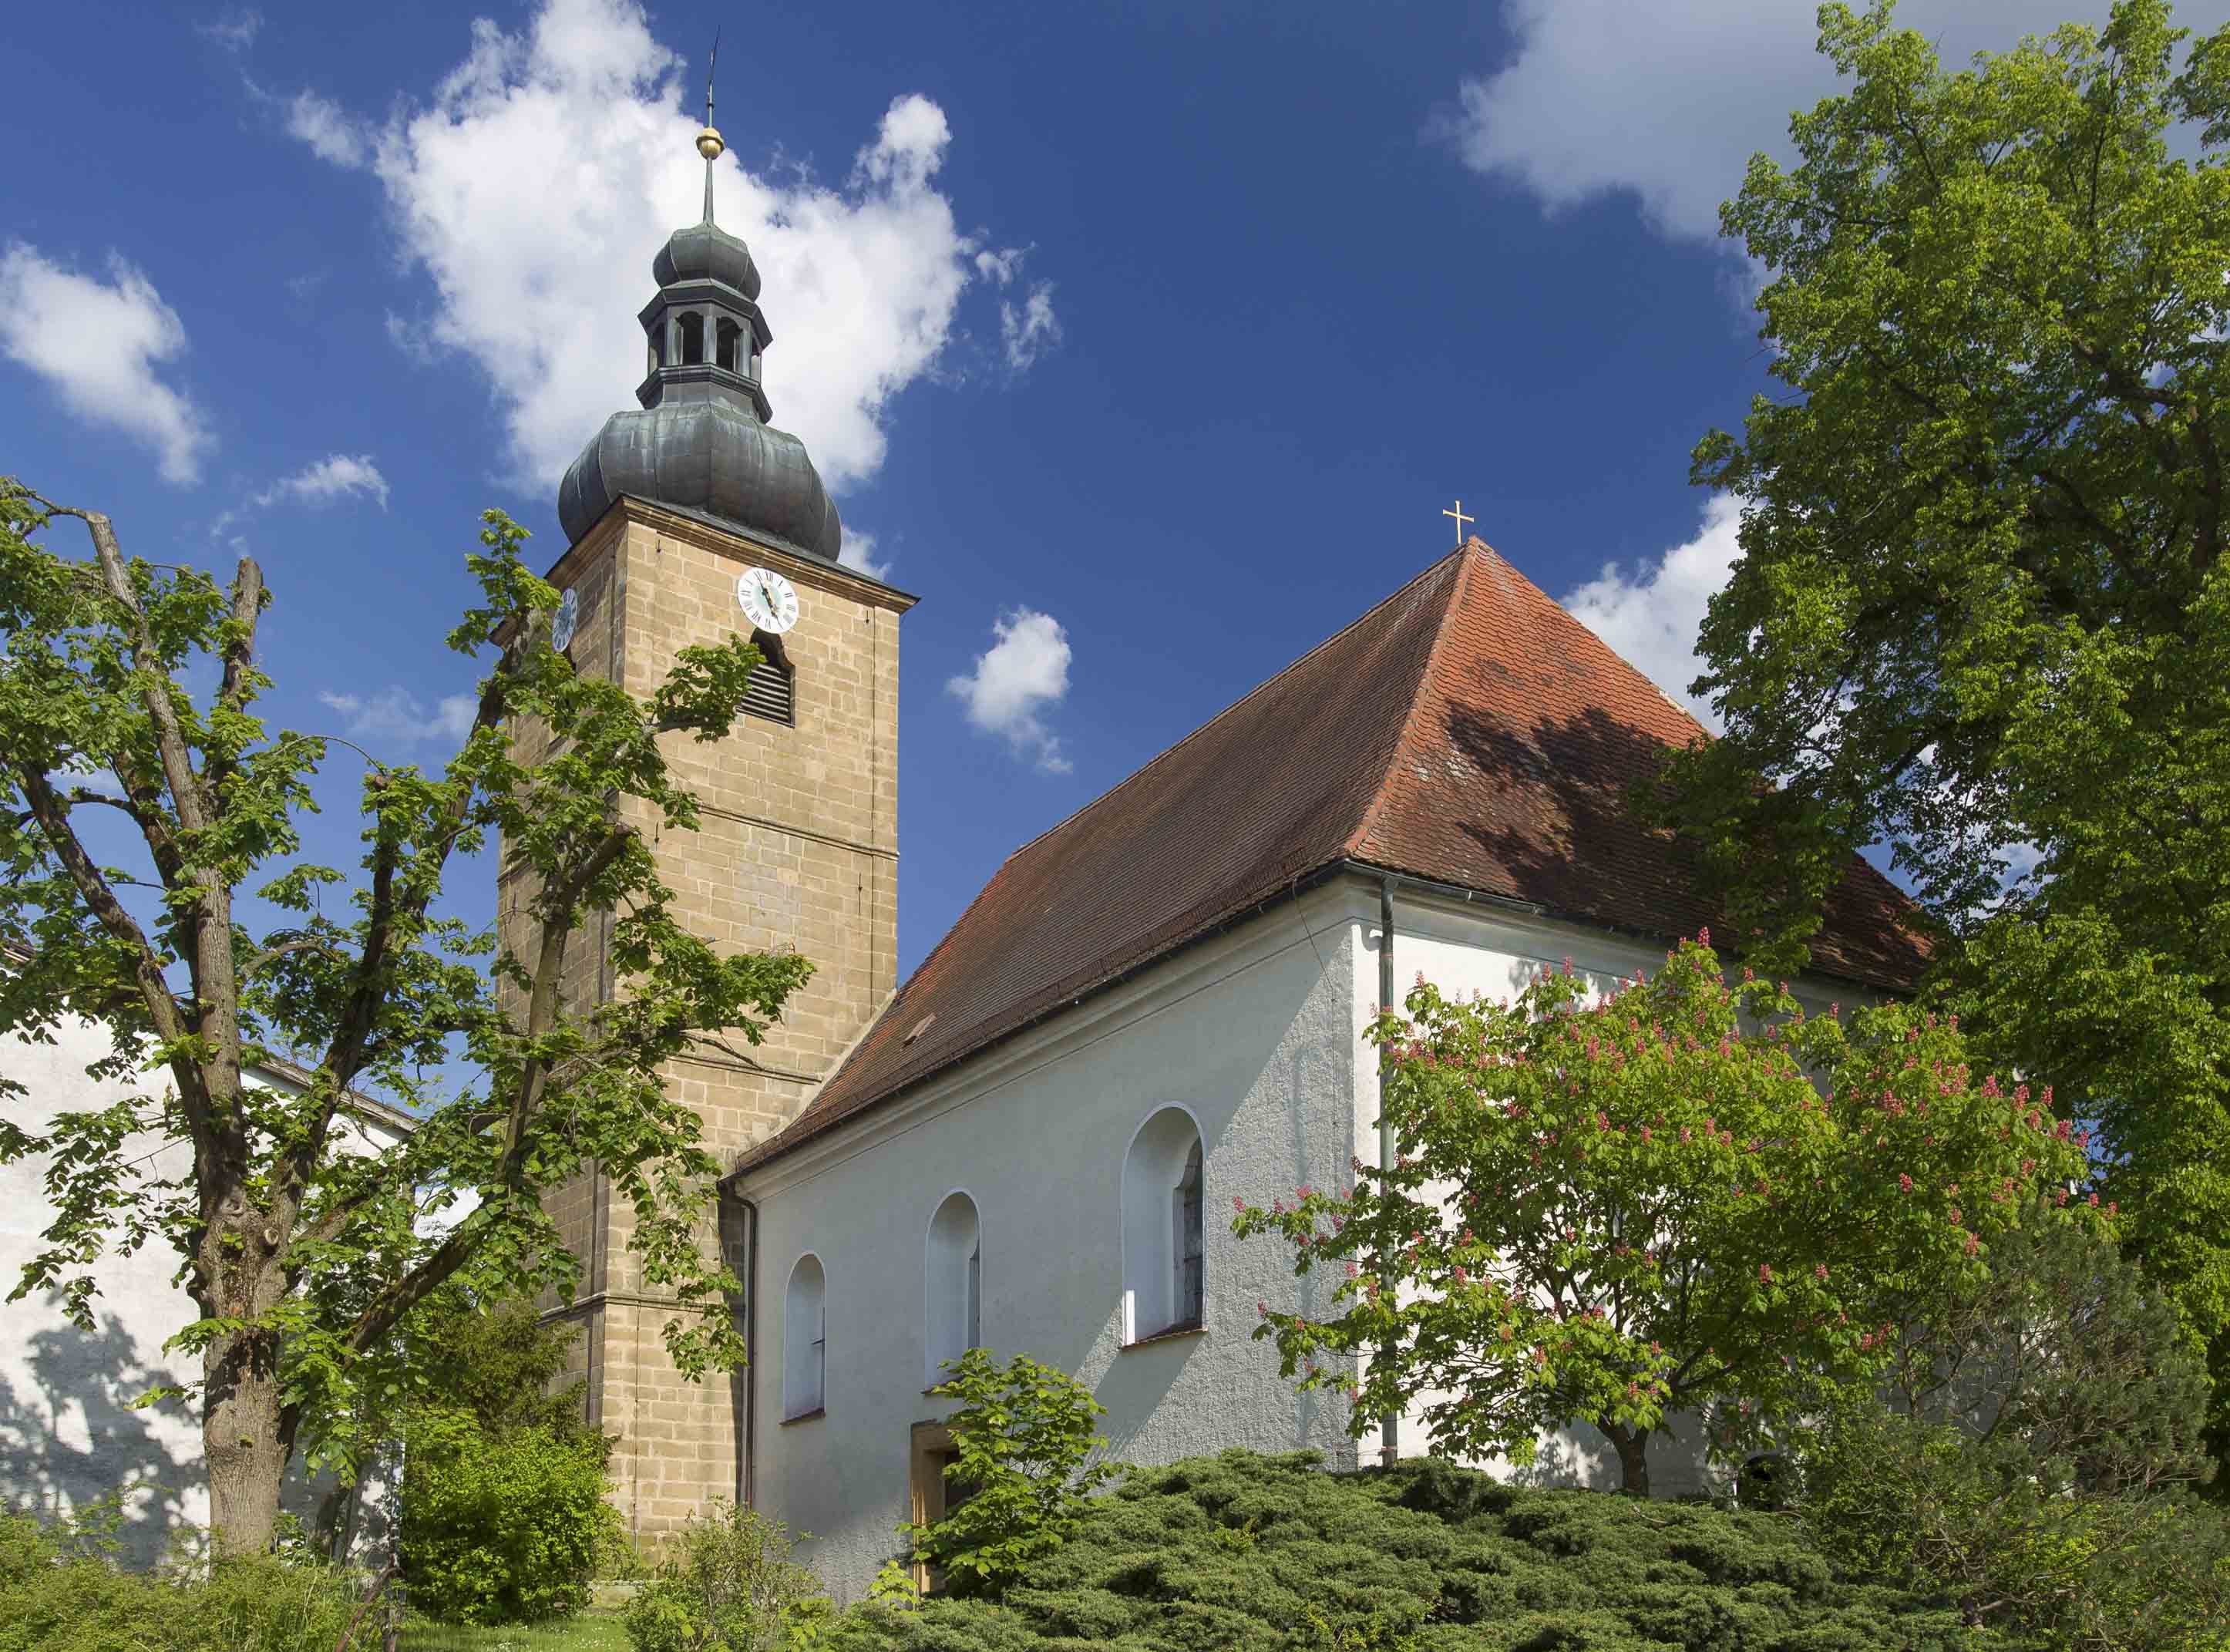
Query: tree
{"x":2028,"y":1451}
{"x":1982,"y":614}
{"x":1023,"y":1454}
{"x":1610,"y":1212}
{"x":128,"y":694}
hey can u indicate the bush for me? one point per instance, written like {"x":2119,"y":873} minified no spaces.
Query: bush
{"x":727,"y":1585}
{"x":1023,"y":1470}
{"x":1270,"y":1553}
{"x":61,"y":1591}
{"x":2033,"y":1457}
{"x":508,"y":1529}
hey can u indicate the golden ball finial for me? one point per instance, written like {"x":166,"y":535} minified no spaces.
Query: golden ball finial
{"x":709,"y":144}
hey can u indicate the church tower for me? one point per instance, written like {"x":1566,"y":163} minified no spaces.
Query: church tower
{"x":687,"y":520}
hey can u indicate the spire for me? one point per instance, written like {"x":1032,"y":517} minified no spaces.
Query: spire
{"x":708,"y":141}
{"x":702,"y":441}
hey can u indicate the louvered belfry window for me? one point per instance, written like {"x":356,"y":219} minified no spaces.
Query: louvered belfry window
{"x":770,"y":693}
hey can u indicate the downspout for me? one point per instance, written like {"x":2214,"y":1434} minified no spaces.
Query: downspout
{"x":1390,"y":1423}
{"x":747,"y":1436}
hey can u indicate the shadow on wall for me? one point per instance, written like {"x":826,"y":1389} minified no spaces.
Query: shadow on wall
{"x":77,"y":1438}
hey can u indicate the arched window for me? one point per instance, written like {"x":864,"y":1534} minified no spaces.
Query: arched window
{"x":724,"y":346}
{"x":1164,"y":1248}
{"x":693,"y":338}
{"x":804,"y":1339}
{"x":657,"y":347}
{"x":954,"y":1283}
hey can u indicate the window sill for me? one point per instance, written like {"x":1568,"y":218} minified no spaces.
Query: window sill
{"x":806,"y":1416}
{"x":1169,"y":1334}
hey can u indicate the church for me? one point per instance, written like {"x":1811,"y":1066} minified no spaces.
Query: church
{"x":1155,"y":1008}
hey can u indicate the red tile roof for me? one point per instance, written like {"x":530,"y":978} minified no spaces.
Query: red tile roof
{"x":1467,"y":731}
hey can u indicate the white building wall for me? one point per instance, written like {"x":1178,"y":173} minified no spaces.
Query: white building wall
{"x":1259,"y":1034}
{"x":1254,"y":1034}
{"x":69,"y":1430}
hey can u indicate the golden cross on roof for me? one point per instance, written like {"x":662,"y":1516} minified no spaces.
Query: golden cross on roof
{"x":1460,"y":520}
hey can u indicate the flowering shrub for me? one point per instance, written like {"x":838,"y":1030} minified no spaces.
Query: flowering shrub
{"x":1608,"y":1211}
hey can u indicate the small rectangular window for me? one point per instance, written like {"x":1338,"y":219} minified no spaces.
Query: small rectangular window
{"x":770,"y":693}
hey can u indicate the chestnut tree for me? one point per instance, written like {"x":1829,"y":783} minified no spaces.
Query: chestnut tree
{"x":128,"y":698}
{"x":1678,"y":1195}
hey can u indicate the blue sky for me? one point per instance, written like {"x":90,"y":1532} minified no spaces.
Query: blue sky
{"x":1145,"y":343}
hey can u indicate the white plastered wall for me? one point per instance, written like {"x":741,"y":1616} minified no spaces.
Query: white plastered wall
{"x":69,"y":1430}
{"x":1254,"y":1034}
{"x":1258,"y":1034}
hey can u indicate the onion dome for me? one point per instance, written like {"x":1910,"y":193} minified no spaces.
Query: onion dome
{"x":708,"y":253}
{"x":701,"y":442}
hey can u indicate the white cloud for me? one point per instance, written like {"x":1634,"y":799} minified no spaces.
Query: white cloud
{"x":1650,"y":616}
{"x":1023,"y":674}
{"x":331,"y":132}
{"x":546,"y":170}
{"x":234,"y":31}
{"x":335,"y":476}
{"x":1667,"y":103}
{"x":395,"y":714}
{"x":859,"y":552}
{"x":96,"y":344}
{"x":1030,"y":329}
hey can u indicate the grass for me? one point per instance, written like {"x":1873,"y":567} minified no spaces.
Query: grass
{"x":589,"y":1632}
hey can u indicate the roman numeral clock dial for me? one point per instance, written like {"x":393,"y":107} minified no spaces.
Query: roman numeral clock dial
{"x":768,"y":600}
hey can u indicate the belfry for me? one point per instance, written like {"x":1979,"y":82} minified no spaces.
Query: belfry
{"x":688,"y":519}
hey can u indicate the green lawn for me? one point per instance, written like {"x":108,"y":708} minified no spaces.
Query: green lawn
{"x":590,"y":1632}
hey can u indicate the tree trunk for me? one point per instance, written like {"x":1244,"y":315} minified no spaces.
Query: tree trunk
{"x":1632,"y":1448}
{"x":244,"y":1441}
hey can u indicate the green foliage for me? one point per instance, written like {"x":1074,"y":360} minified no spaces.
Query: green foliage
{"x":1983,"y":612}
{"x":1611,"y":1212}
{"x":503,"y":1510}
{"x":2027,"y":1455}
{"x":128,"y":697}
{"x":61,"y":1591}
{"x":1024,"y":1442}
{"x":507,"y":1528}
{"x":1429,"y":1557}
{"x":728,"y":1585}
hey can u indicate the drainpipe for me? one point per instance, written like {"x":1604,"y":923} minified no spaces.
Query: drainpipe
{"x":747,"y":1436}
{"x":1390,"y":1423}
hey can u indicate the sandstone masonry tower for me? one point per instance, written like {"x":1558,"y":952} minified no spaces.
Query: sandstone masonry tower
{"x":688,"y":521}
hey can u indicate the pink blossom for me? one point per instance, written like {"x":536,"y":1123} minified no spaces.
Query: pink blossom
{"x":1820,"y":1270}
{"x":1765,"y":1273}
{"x":1302,"y":1191}
{"x":1238,"y":1203}
{"x":1903,"y":1184}
{"x":1972,"y":1244}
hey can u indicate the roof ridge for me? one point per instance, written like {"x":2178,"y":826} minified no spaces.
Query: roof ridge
{"x":1262,"y":686}
{"x":1361,"y":834}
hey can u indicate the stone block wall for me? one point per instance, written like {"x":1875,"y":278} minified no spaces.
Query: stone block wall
{"x":797,"y":849}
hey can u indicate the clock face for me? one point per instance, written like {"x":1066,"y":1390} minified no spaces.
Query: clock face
{"x":568,"y":621}
{"x":769,"y":602}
